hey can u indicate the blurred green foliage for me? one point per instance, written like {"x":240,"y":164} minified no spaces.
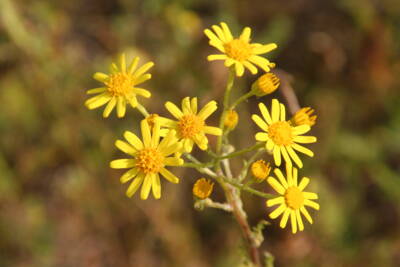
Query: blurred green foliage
{"x":61,"y":205}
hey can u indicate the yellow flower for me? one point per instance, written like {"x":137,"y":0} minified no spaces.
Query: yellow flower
{"x":260,"y":170}
{"x":266,"y":84}
{"x":120,"y":87}
{"x":203,"y":188}
{"x":280,"y":137}
{"x":231,"y":119}
{"x":238,"y":51}
{"x":304,"y":117}
{"x":148,"y":161}
{"x":191,"y":126}
{"x":293,"y":200}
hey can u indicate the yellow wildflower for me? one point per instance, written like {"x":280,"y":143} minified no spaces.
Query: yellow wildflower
{"x":260,"y":170}
{"x":266,"y":84}
{"x":280,"y":136}
{"x":231,"y":119}
{"x":120,"y":87}
{"x":149,"y":158}
{"x":203,"y":188}
{"x":238,"y":51}
{"x":293,"y":199}
{"x":190,"y":127}
{"x":304,"y":117}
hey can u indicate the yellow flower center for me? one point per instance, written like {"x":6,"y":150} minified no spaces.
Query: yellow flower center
{"x":149,"y":160}
{"x":120,"y":84}
{"x":281,"y":133}
{"x":294,"y":198}
{"x":190,"y":125}
{"x":203,"y":188}
{"x":238,"y":49}
{"x":260,"y":170}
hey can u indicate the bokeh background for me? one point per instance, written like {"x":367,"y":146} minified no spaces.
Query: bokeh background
{"x":60,"y":203}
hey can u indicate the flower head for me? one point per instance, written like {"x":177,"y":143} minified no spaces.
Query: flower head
{"x":266,"y":84}
{"x":203,"y":188}
{"x":120,"y":87}
{"x":304,"y":117}
{"x":238,"y":51}
{"x":231,"y":119}
{"x":293,"y":200}
{"x":149,"y":158}
{"x":280,"y":136}
{"x":260,"y":170}
{"x":190,"y":126}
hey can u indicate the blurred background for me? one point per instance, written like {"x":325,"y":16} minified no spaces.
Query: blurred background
{"x":61,"y":204}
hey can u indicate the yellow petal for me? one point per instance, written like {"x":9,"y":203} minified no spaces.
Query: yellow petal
{"x":285,"y":218}
{"x":302,"y":149}
{"x":275,"y":201}
{"x":122,"y":163}
{"x":143,"y":69}
{"x":281,"y":178}
{"x":306,"y":214}
{"x":142,"y":79}
{"x":128,"y":175}
{"x":261,"y":62}
{"x":239,"y":69}
{"x":212,"y":130}
{"x":144,"y":193}
{"x":220,"y":33}
{"x":275,"y":110}
{"x":265,"y":113}
{"x":110,"y":106}
{"x":96,"y":90}
{"x":293,"y":221}
{"x":186,"y":105}
{"x":98,"y":100}
{"x":173,"y":161}
{"x":303,"y":183}
{"x":101,"y":77}
{"x":260,"y":123}
{"x":227,"y":32}
{"x":285,"y":155}
{"x":299,"y":220}
{"x":156,"y":186}
{"x":264,"y":48}
{"x":122,"y":63}
{"x":251,"y":67}
{"x":262,"y":137}
{"x":278,"y":211}
{"x":134,"y":186}
{"x":277,"y":155}
{"x":121,"y":107}
{"x":310,"y":195}
{"x":133,"y":140}
{"x":217,"y":57}
{"x":311,"y":204}
{"x":302,"y":129}
{"x":294,"y":156}
{"x":305,"y":139}
{"x":283,"y":112}
{"x":207,"y":110}
{"x":193,"y":105}
{"x":142,"y":92}
{"x":133,"y":65}
{"x":146,"y":135}
{"x":276,"y":185}
{"x":245,"y":36}
{"x":125,"y":147}
{"x":169,"y":176}
{"x":174,"y":110}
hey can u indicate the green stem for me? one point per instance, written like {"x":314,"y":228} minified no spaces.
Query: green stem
{"x":229,"y":85}
{"x":243,"y":151}
{"x":245,"y":169}
{"x":241,"y":99}
{"x":142,"y":110}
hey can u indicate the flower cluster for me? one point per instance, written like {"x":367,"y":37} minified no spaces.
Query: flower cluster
{"x":167,"y":140}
